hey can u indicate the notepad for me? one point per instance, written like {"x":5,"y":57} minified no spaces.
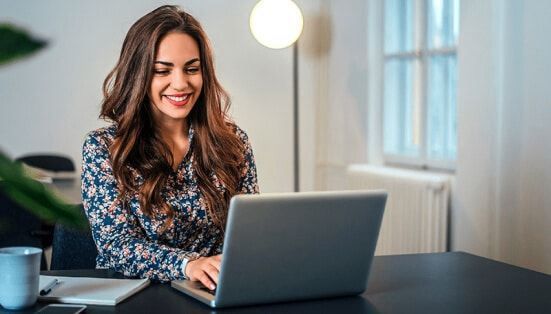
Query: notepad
{"x":47,"y":176}
{"x":93,"y":291}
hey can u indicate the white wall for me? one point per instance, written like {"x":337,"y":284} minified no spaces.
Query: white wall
{"x":502,"y":206}
{"x":472,"y":209}
{"x":531,"y":219}
{"x":341,"y":111}
{"x":49,"y":101}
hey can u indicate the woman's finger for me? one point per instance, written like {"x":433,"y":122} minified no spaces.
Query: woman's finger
{"x":212,"y":272}
{"x":206,"y":281}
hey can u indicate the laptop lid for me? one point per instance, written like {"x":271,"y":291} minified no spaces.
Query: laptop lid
{"x":293,"y":246}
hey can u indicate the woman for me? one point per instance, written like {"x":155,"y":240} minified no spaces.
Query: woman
{"x":156,"y":184}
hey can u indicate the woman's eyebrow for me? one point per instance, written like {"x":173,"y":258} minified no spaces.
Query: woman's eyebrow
{"x":170,"y":64}
{"x":191,"y":61}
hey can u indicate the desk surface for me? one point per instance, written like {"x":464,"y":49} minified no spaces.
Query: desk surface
{"x":419,"y":283}
{"x":68,"y":189}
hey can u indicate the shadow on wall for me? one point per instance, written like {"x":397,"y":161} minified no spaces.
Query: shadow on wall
{"x":317,"y":42}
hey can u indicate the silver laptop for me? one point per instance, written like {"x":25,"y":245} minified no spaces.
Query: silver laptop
{"x":294,"y":246}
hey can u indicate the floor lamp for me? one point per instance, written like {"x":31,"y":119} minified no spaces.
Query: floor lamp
{"x":277,"y":24}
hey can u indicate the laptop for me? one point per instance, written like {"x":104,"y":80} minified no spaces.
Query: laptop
{"x":294,"y":246}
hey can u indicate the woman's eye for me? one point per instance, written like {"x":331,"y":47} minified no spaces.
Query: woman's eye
{"x":161,"y":72}
{"x":192,"y":70}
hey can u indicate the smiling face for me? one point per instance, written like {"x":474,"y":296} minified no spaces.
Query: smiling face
{"x":177,"y":79}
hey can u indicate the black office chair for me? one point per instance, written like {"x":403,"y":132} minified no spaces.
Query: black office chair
{"x":73,"y":249}
{"x":52,"y":162}
{"x":19,"y":227}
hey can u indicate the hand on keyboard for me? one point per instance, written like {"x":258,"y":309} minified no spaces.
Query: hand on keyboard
{"x":205,"y":270}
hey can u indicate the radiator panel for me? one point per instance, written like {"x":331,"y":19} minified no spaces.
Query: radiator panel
{"x":416,"y":214}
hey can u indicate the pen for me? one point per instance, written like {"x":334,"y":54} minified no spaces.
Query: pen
{"x":48,"y":287}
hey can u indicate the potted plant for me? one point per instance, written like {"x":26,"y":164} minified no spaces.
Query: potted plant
{"x":35,"y":197}
{"x":32,"y":195}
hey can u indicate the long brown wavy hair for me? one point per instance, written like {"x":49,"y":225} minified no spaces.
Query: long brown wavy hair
{"x":138,"y":145}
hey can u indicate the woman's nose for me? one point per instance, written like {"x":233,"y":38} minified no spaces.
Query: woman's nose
{"x":179,"y":80}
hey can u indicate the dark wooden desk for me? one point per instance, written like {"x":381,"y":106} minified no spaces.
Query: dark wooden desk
{"x":418,"y":283}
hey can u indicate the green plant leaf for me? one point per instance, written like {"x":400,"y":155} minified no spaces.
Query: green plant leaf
{"x":16,"y":43}
{"x":35,"y":197}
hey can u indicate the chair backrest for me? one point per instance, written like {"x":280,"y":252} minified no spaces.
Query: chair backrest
{"x":48,"y":162}
{"x":73,"y":249}
{"x":18,"y":227}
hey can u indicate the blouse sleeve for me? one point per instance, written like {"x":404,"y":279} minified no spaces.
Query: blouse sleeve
{"x":248,"y":183}
{"x":120,"y":240}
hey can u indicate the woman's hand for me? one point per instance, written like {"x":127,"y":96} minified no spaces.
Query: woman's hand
{"x":205,"y":270}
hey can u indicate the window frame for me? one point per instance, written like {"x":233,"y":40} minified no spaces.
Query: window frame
{"x":422,"y":53}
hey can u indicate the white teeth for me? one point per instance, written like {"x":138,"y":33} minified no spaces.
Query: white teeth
{"x":174,"y":98}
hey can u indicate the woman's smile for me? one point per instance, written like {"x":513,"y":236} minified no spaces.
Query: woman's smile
{"x":178,"y":100}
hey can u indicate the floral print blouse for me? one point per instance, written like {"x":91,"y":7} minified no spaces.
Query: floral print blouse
{"x":130,"y":242}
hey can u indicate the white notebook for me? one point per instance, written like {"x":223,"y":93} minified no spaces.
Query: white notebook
{"x":86,"y":290}
{"x":47,"y":176}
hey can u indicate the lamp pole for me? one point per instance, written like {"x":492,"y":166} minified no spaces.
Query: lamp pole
{"x":265,"y":22}
{"x":296,"y":135}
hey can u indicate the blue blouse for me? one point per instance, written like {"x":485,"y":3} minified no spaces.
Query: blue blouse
{"x":130,"y":242}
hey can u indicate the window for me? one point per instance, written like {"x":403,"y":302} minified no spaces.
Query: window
{"x":420,"y":78}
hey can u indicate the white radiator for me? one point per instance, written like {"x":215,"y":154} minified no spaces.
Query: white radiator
{"x":416,"y":213}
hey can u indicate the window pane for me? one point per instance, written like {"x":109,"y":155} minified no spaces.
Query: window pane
{"x":443,"y":23}
{"x":401,"y":112}
{"x":441,"y":110}
{"x":398,"y":26}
